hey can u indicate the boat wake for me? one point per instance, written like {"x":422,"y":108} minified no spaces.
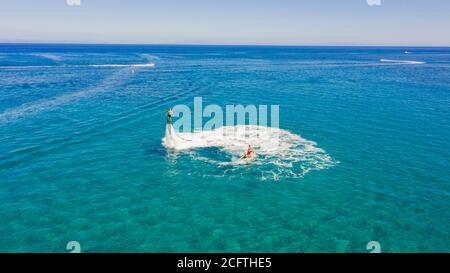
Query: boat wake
{"x":36,"y":107}
{"x":123,"y":65}
{"x":49,"y":56}
{"x":145,"y":65}
{"x":280,"y":154}
{"x":400,"y":61}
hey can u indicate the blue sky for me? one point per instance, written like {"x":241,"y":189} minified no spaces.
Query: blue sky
{"x":283,"y":22}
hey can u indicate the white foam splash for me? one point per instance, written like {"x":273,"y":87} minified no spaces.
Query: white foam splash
{"x":288,"y":154}
{"x":400,"y":61}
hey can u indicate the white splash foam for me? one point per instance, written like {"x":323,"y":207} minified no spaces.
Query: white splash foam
{"x":400,"y":61}
{"x":289,"y":154}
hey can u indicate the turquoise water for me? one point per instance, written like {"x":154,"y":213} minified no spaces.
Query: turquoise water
{"x":81,"y":154}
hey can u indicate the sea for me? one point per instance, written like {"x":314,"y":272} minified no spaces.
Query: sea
{"x":361,"y":155}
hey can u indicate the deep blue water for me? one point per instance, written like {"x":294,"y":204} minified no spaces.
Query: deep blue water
{"x":81,"y":155}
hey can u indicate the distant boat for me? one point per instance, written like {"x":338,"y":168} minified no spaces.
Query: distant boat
{"x":407,"y":52}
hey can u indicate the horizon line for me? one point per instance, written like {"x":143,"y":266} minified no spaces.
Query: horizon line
{"x":216,"y":44}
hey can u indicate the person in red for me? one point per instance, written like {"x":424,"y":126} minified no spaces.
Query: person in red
{"x":249,"y":153}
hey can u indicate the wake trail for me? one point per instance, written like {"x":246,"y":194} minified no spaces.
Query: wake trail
{"x":34,"y":108}
{"x":400,"y":61}
{"x":94,"y":128}
{"x":143,"y":65}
